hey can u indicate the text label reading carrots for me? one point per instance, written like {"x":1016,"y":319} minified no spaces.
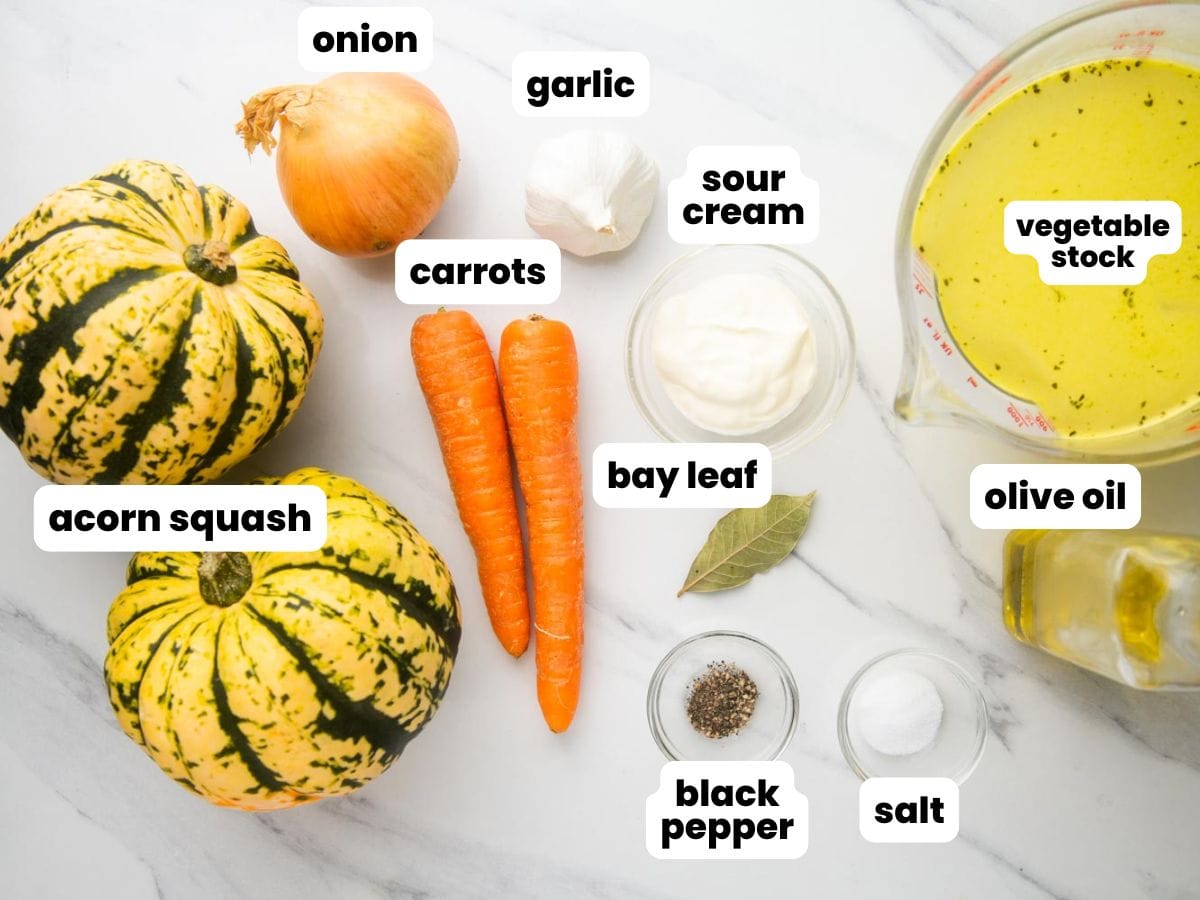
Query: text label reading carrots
{"x":681,"y":476}
{"x":447,"y":272}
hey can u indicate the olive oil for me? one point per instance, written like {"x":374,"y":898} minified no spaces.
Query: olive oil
{"x":1124,"y":605}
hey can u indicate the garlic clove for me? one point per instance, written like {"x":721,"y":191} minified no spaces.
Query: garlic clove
{"x":590,"y":191}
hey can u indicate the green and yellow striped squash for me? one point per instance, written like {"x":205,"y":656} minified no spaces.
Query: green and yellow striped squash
{"x":148,"y":334}
{"x":265,"y":680}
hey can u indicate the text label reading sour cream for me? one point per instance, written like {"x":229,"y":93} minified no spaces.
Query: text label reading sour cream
{"x":681,"y":476}
{"x":1093,"y":242}
{"x":437,"y":271}
{"x":735,"y":354}
{"x":743,"y":195}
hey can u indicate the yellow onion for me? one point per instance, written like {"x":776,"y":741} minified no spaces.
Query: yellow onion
{"x":365,"y":159}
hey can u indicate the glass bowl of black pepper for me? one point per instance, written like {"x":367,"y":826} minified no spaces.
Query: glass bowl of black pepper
{"x":722,"y":695}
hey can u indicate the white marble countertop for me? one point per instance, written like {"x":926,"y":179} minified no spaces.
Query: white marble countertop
{"x":1087,"y":790}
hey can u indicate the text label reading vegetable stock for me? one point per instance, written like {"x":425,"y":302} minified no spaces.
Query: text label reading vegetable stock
{"x":365,"y":39}
{"x":1080,"y":495}
{"x":212,"y":517}
{"x":437,"y":271}
{"x":743,"y":195}
{"x":570,"y":84}
{"x":681,"y":476}
{"x":727,"y":810}
{"x":1093,"y":242}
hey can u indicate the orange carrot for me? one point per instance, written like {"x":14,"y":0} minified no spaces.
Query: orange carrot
{"x":539,"y":378}
{"x":454,"y":366}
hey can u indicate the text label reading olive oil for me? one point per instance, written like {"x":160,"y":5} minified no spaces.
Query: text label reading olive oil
{"x":1056,"y":496}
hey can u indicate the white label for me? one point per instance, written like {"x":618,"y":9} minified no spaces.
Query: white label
{"x":727,"y":810}
{"x":1078,"y":495}
{"x":681,"y":476}
{"x":445,"y":271}
{"x":1092,"y":241}
{"x":908,"y":810}
{"x":572,"y":83}
{"x":193,"y":517}
{"x":365,"y":39}
{"x":743,"y":195}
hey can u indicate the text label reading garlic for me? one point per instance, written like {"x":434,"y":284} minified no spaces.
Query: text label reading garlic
{"x":365,"y":39}
{"x":438,"y":271}
{"x":743,"y":195}
{"x":574,"y":84}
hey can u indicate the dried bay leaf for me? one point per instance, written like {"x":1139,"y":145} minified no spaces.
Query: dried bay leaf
{"x":746,"y":542}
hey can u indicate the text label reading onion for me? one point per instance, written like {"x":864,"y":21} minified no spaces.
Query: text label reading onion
{"x":365,"y":160}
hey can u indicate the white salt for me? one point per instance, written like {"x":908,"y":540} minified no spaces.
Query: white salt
{"x":897,"y":713}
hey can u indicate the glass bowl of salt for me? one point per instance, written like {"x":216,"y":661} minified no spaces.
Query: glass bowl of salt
{"x":912,"y":713}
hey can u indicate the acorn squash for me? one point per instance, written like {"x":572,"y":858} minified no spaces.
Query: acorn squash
{"x":148,"y":333}
{"x":265,"y":680}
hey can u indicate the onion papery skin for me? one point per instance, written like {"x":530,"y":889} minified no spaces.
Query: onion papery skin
{"x":365,"y":160}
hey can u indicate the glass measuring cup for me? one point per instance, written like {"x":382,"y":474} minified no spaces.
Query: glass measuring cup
{"x":938,"y":384}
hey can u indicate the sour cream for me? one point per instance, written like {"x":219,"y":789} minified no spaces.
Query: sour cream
{"x":736,"y":354}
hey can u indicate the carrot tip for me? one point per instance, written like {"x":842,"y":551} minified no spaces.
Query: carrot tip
{"x":516,"y":649}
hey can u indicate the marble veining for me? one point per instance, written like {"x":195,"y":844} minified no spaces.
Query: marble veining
{"x":1087,"y":790}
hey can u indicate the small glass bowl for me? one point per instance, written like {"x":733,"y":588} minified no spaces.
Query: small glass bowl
{"x":772,"y":724}
{"x":832,"y":334}
{"x":958,"y":746}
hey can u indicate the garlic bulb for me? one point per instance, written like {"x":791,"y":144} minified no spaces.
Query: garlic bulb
{"x":590,"y":191}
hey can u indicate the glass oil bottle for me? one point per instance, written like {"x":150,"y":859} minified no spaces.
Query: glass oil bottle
{"x":1123,"y":604}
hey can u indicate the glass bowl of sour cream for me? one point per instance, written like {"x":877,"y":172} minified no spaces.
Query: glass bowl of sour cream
{"x":740,"y":343}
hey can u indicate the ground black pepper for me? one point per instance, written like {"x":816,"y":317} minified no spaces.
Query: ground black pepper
{"x":721,"y":700}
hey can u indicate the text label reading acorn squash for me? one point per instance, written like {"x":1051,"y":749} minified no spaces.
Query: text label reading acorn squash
{"x":163,"y":518}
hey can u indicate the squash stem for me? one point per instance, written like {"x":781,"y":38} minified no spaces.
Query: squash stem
{"x":211,"y":261}
{"x":224,"y":577}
